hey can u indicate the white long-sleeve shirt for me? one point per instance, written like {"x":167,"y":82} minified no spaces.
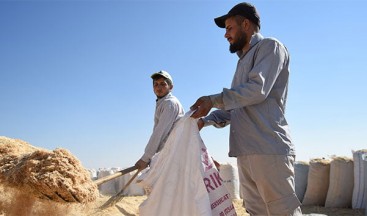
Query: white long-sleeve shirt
{"x":168,"y":110}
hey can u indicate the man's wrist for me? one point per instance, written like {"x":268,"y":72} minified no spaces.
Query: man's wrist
{"x":217,"y":100}
{"x":145,"y":158}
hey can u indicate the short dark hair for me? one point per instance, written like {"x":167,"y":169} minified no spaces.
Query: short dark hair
{"x":239,"y":19}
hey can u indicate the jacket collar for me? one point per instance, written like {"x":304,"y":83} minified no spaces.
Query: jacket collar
{"x":166,"y":96}
{"x":254,"y":40}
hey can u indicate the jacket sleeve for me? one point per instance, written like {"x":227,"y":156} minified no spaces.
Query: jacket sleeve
{"x":269,"y":60}
{"x":169,"y":112}
{"x":218,"y":118}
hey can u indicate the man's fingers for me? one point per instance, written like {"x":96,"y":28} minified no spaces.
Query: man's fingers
{"x":202,"y":107}
{"x":195,"y":114}
{"x":200,"y":124}
{"x":200,"y":112}
{"x":195,"y":105}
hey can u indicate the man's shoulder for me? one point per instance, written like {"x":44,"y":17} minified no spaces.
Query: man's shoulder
{"x":171,"y":103}
{"x":270,"y":41}
{"x":170,"y":99}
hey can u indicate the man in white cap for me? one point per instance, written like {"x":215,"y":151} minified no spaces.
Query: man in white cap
{"x":168,"y":110}
{"x":254,"y":107}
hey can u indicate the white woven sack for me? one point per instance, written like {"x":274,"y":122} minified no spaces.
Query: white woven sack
{"x":317,"y":182}
{"x":229,"y":174}
{"x":120,"y":183}
{"x":341,"y":183}
{"x":93,"y":174}
{"x":134,"y":189}
{"x":360,"y":179}
{"x":300,"y":177}
{"x":109,"y":187}
{"x":219,"y":197}
{"x":183,"y":179}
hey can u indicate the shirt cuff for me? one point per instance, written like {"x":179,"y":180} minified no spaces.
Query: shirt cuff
{"x":145,"y":158}
{"x":209,"y":122}
{"x":217,"y":100}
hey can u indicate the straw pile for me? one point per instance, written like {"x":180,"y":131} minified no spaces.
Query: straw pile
{"x":53,"y":175}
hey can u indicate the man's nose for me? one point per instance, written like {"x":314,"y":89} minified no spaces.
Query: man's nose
{"x":226,"y":35}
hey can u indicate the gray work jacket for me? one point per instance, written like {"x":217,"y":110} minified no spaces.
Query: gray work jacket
{"x":254,"y":106}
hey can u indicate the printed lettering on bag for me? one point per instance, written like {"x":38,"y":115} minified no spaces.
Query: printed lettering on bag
{"x":213,"y":182}
{"x":205,"y":160}
{"x":220,"y":200}
{"x":228,"y":211}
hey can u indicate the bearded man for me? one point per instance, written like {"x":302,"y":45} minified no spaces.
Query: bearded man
{"x":254,"y":106}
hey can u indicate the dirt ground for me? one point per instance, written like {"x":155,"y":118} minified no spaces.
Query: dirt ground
{"x":14,"y":203}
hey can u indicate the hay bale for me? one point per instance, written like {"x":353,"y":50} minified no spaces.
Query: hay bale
{"x":317,"y":182}
{"x":340,"y":191}
{"x":301,"y":169}
{"x":54,"y":175}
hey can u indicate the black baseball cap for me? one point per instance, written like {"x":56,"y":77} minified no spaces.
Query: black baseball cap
{"x":243,"y":9}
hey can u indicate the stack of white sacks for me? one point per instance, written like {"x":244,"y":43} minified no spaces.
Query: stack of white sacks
{"x":228,"y":173}
{"x":338,"y":183}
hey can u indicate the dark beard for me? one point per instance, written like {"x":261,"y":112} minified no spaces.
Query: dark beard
{"x":240,"y":43}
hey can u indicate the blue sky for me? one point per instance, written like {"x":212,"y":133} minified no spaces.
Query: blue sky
{"x":76,"y":74}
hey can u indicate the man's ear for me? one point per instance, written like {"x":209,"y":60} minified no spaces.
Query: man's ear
{"x":171,"y":87}
{"x":246,"y":24}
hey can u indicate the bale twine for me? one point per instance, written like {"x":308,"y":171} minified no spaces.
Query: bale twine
{"x":340,"y":191}
{"x":359,"y":199}
{"x":317,"y":182}
{"x":301,"y":169}
{"x":54,"y":175}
